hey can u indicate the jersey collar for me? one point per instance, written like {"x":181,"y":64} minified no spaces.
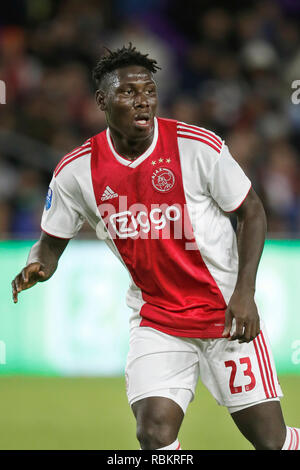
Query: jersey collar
{"x":141,"y":158}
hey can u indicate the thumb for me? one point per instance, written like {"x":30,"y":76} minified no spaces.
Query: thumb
{"x":34,"y":270}
{"x":228,"y":323}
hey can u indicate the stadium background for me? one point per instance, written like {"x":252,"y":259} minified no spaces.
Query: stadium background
{"x":229,"y":69}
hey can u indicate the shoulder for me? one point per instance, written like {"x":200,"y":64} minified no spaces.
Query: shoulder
{"x":73,"y":161}
{"x":195,"y":137}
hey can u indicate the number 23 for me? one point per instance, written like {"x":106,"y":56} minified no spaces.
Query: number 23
{"x":247,"y":372}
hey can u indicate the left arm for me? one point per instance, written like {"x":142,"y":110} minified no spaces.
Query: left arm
{"x":251,"y":233}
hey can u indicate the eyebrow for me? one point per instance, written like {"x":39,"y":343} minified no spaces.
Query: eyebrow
{"x":148,"y":82}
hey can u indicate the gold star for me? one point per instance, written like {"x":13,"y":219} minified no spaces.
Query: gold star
{"x":161,"y":160}
{"x":153,"y":162}
{"x":168,"y":160}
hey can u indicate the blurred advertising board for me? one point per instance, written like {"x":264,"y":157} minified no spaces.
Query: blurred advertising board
{"x":77,"y":323}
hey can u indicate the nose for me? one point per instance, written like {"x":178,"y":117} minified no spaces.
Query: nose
{"x":141,"y":101}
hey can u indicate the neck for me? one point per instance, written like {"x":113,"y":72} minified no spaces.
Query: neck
{"x":130,"y":148}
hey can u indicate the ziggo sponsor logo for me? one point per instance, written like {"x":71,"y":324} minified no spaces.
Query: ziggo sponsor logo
{"x":137,"y":221}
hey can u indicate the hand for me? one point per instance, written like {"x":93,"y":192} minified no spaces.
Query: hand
{"x":27,"y":278}
{"x":247,"y":324}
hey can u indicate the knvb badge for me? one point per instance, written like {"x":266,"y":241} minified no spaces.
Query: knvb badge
{"x":48,"y":201}
{"x":2,"y":92}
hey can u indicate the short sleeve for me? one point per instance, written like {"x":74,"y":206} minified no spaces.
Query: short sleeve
{"x":227,"y":182}
{"x":62,"y":215}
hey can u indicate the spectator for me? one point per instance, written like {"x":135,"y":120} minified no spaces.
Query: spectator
{"x":228,"y":69}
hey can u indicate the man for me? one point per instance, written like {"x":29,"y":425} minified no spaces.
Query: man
{"x":160,"y":193}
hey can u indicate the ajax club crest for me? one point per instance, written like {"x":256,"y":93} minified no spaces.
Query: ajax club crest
{"x":163,"y":180}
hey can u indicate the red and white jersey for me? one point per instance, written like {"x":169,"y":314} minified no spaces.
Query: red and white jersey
{"x":165,"y":216}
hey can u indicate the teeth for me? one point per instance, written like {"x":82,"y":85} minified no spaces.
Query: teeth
{"x":142,"y":121}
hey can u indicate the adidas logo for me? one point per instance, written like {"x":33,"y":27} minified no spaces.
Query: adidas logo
{"x":108,"y":194}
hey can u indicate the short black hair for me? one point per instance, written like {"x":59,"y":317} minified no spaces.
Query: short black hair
{"x":122,"y":58}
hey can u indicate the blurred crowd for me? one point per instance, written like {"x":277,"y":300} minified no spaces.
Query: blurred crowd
{"x":228,"y":68}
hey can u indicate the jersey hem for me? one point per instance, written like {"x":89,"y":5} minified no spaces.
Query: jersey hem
{"x":211,"y":332}
{"x":57,"y":236}
{"x":132,"y":397}
{"x":239,"y":205}
{"x":250,"y":401}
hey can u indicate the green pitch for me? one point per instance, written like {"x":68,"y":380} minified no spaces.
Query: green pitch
{"x":92,"y":413}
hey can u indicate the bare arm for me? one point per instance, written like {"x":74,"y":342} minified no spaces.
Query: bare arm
{"x":251,"y":233}
{"x":41,"y":263}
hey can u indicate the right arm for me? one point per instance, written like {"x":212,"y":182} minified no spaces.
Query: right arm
{"x":63,"y":216}
{"x":41,"y":263}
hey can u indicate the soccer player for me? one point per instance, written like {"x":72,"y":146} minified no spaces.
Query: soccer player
{"x":160,"y":192}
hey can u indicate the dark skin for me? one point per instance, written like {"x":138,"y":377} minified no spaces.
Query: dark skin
{"x":125,"y":97}
{"x":128,"y":98}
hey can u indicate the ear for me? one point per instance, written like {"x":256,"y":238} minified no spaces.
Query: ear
{"x":101,"y":99}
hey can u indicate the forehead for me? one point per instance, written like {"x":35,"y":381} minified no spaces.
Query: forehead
{"x":132,"y":73}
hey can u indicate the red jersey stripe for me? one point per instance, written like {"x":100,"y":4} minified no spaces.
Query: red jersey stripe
{"x":200,"y":132}
{"x":291,"y":438}
{"x":70,"y":157}
{"x":269,"y":364}
{"x":87,"y":152}
{"x":74,"y":152}
{"x":86,"y":144}
{"x":200,"y":140}
{"x":260,"y":368}
{"x":297,"y":439}
{"x":267,"y":373}
{"x":201,"y":129}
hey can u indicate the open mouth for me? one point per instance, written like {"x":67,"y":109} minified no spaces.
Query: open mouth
{"x":142,"y":120}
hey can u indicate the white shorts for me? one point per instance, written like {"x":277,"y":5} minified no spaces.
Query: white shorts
{"x":237,"y":375}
